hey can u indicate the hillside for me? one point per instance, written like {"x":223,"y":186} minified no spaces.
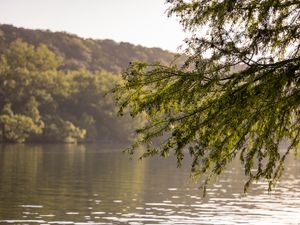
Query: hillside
{"x":79,"y":53}
{"x":54,"y":85}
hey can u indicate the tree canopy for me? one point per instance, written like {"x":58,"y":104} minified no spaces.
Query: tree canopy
{"x":39,"y":102}
{"x":237,"y":95}
{"x":80,"y":53}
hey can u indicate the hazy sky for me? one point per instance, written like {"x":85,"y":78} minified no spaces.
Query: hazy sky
{"x":137,"y":21}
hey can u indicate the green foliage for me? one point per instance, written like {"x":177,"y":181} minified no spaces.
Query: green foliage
{"x":60,"y":130}
{"x":54,"y":78}
{"x":16,"y":127}
{"x":236,"y":95}
{"x":39,"y":102}
{"x":79,"y":53}
{"x":22,"y":55}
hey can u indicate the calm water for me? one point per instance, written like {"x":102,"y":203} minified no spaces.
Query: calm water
{"x":69,"y":184}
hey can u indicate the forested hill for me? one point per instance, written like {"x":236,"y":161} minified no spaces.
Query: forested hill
{"x":79,"y":53}
{"x":53,"y":86}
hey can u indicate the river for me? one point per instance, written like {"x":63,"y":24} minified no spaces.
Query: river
{"x":98,"y":184}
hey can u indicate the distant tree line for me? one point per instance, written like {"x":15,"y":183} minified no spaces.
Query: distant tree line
{"x":53,"y":86}
{"x":40,"y":102}
{"x":79,"y":53}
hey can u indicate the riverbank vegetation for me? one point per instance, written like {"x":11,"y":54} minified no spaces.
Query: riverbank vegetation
{"x":39,"y":102}
{"x":54,"y":85}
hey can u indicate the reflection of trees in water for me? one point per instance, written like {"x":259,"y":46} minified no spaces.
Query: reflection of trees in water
{"x":88,"y":178}
{"x":65,"y":178}
{"x":19,"y":170}
{"x":19,"y":163}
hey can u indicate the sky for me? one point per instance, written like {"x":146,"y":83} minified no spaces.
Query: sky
{"x":141,"y":22}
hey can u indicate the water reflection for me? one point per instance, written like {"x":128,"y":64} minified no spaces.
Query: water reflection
{"x":77,"y":184}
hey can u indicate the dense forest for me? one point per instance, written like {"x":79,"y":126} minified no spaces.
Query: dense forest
{"x":53,"y":86}
{"x":79,"y":53}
